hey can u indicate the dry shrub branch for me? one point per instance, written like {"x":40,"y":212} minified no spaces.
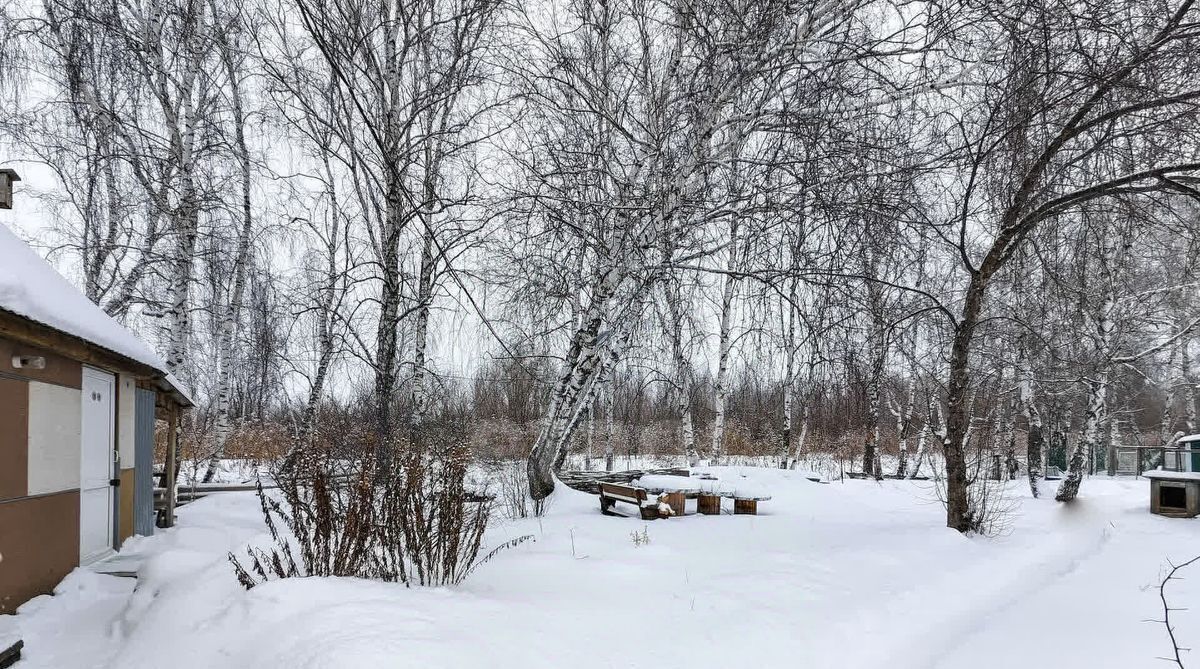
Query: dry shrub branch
{"x":341,"y":511}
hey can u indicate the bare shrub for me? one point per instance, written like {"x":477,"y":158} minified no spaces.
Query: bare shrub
{"x":640,"y":538}
{"x":511,"y":478}
{"x":1176,"y":651}
{"x":989,"y":507}
{"x":338,"y":514}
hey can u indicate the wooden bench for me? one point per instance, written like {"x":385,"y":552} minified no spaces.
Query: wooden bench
{"x":611,"y":493}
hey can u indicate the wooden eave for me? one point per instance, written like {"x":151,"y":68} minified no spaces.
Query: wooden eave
{"x":34,"y":333}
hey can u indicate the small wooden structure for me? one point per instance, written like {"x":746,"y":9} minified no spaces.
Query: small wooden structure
{"x":1174,"y":494}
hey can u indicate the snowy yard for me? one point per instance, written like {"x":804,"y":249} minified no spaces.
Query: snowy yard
{"x":854,"y":574}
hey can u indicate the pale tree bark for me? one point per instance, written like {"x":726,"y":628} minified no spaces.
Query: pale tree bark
{"x":1104,"y":324}
{"x":922,"y":438}
{"x":680,"y":356}
{"x":903,"y":423}
{"x":1009,"y":436}
{"x":1035,"y":439}
{"x":1088,"y":442}
{"x":1185,"y":377}
{"x":789,"y":376}
{"x":875,"y":370}
{"x":609,"y":383}
{"x":724,"y":343}
{"x":591,"y":350}
{"x":226,"y":359}
{"x":1167,"y":422}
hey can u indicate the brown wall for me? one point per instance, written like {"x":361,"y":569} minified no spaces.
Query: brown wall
{"x":59,"y":370}
{"x":39,"y":545}
{"x":14,"y":438}
{"x":125,"y":512}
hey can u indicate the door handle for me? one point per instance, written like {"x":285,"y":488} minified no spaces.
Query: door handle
{"x":116,"y":483}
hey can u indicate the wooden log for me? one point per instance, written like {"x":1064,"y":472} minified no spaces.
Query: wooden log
{"x":589,"y":482}
{"x":745,"y":507}
{"x":650,"y":512}
{"x":892,"y":477}
{"x":709,"y":505}
{"x":10,"y":655}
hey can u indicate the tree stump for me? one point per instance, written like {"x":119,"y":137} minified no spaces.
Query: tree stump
{"x":709,"y":505}
{"x":748,"y":507}
{"x":677,"y":501}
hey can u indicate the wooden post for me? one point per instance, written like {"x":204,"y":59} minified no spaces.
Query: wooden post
{"x":709,"y":505}
{"x":171,"y":473}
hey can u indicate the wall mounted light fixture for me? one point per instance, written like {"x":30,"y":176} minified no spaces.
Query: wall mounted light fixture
{"x":28,"y":362}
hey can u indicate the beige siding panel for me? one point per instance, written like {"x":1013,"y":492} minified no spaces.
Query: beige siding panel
{"x":55,"y":418}
{"x":125,"y":404}
{"x":125,"y":513}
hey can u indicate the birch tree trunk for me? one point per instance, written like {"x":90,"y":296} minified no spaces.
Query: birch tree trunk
{"x":1185,"y":377}
{"x":919,"y":455}
{"x":226,"y":359}
{"x":1097,"y":409}
{"x":724,"y":346}
{"x":903,"y":422}
{"x":420,"y":393}
{"x":871,"y":457}
{"x":789,"y":378}
{"x":584,"y":360}
{"x":1036,"y":439}
{"x":609,"y":395}
{"x":683,"y":370}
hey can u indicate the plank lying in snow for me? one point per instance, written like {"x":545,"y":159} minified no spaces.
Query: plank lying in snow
{"x":10,"y":642}
{"x":10,"y":655}
{"x":589,"y":482}
{"x":890,"y":477}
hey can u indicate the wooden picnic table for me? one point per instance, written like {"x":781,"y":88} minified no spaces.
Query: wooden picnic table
{"x":674,"y":489}
{"x":708,"y":491}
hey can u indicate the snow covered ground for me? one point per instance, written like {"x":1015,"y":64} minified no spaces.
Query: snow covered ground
{"x":853,"y":574}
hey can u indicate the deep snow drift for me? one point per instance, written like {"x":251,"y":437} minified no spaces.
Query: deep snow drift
{"x":854,"y":574}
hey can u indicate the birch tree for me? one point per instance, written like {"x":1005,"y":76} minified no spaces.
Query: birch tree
{"x":1092,"y":80}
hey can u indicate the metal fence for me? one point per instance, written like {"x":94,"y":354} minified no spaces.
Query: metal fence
{"x":1133,"y":460}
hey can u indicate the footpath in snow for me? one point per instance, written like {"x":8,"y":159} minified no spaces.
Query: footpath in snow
{"x":854,"y":574}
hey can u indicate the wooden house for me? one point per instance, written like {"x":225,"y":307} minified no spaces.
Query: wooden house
{"x":80,"y":396}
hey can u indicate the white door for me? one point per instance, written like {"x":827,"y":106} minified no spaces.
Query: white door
{"x":97,"y":457}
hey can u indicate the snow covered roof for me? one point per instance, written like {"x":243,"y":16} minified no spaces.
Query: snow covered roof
{"x":1190,"y":437}
{"x":1172,"y":476}
{"x":31,"y":288}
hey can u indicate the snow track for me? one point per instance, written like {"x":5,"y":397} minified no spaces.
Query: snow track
{"x":840,"y":576}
